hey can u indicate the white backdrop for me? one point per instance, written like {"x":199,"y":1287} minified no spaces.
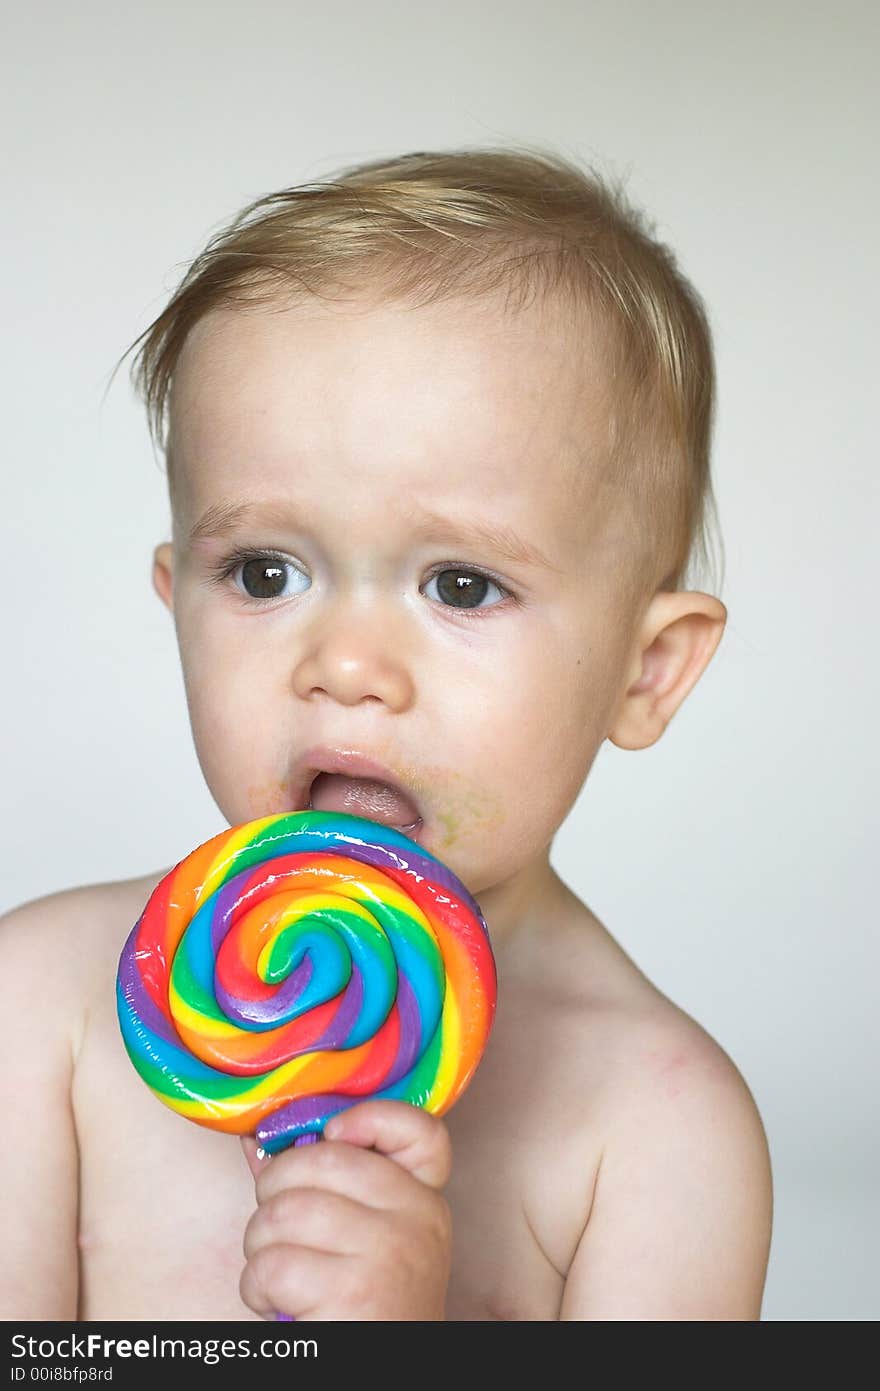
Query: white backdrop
{"x":732,"y":859}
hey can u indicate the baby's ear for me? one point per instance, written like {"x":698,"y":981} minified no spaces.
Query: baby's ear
{"x":675,"y":643}
{"x":163,"y":573}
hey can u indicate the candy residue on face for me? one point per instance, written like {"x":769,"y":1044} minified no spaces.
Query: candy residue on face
{"x":297,"y":964}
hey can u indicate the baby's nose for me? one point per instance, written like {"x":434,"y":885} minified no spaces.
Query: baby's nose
{"x":350,"y":656}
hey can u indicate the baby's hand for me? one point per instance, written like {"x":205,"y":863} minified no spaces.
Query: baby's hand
{"x":343,"y":1232}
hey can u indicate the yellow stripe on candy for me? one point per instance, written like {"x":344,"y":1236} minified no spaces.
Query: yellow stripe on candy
{"x":447,"y":1070}
{"x":235,"y":842}
{"x":192,"y":1021}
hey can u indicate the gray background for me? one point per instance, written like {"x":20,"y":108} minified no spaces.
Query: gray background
{"x":732,"y":859}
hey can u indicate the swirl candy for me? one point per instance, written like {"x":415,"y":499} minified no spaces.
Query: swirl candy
{"x":297,"y":964}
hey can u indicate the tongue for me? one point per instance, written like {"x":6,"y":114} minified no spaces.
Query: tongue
{"x":363,"y":797}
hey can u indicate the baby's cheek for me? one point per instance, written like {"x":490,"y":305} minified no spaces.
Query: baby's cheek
{"x":230,"y":740}
{"x":550,"y":746}
{"x":270,"y":798}
{"x":472,"y":810}
{"x":505,"y":787}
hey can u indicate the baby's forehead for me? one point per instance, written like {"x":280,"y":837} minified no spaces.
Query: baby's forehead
{"x":474,"y":411}
{"x":483,"y":340}
{"x":521,"y":382}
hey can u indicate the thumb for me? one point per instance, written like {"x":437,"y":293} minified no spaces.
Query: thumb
{"x":413,"y":1138}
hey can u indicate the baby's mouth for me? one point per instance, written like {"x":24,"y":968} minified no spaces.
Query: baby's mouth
{"x":377,"y":801}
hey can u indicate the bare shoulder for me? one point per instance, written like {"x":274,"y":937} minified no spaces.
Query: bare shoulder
{"x":90,"y":906}
{"x":680,"y":1221}
{"x":650,"y":1051}
{"x":65,"y":939}
{"x":661,"y":1059}
{"x":679,"y":1093}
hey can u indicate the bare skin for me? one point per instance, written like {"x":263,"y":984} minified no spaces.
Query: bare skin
{"x":158,"y":1208}
{"x":608,"y":1160}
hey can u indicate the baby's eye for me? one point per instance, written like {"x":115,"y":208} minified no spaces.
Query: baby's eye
{"x":463,"y":589}
{"x":264,"y":576}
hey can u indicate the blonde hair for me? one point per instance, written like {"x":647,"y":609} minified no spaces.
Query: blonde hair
{"x":426,"y":227}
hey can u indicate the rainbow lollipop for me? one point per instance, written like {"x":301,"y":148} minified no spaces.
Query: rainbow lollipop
{"x":297,"y":964}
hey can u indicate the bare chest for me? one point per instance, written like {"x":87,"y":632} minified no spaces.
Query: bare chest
{"x":164,"y":1203}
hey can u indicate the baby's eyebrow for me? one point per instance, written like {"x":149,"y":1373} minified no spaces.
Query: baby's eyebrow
{"x":223,"y":518}
{"x":430,"y":526}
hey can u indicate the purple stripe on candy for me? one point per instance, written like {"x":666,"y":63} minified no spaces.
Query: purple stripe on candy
{"x":305,"y":1111}
{"x":140,"y":1003}
{"x":226,"y":900}
{"x":338,"y":1030}
{"x":273,"y":1009}
{"x":410,"y":1046}
{"x":289,"y":990}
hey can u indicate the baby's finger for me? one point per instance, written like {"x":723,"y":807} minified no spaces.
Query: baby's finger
{"x":335,"y":1167}
{"x":413,"y":1138}
{"x":364,"y":1175}
{"x":314,"y":1218}
{"x":292,"y":1280}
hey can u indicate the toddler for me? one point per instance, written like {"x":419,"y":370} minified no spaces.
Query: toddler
{"x":437,"y":443}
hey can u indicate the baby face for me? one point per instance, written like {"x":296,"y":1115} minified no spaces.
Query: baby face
{"x":414,"y":564}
